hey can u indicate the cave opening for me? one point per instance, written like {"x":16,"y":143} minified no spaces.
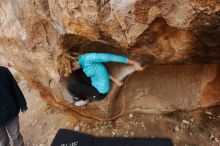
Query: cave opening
{"x":190,"y":84}
{"x":72,"y":44}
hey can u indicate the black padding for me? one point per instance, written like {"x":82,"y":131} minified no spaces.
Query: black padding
{"x":66,"y":137}
{"x":72,"y":138}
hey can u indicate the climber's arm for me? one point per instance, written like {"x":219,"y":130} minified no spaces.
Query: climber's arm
{"x":107,"y":57}
{"x":104,"y":57}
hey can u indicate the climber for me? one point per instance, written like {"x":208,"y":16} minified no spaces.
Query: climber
{"x":93,"y":78}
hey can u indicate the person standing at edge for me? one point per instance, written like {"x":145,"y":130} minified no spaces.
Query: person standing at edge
{"x":93,"y":81}
{"x":11,"y":102}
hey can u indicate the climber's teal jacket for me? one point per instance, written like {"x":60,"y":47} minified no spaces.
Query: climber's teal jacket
{"x":93,"y":67}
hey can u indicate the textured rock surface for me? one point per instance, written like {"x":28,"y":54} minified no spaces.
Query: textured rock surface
{"x":33,"y":34}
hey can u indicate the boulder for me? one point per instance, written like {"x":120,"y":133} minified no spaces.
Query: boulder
{"x":175,"y":40}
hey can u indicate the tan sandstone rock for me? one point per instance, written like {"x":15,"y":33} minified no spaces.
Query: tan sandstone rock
{"x":177,"y":41}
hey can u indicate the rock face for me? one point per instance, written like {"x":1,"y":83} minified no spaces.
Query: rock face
{"x":177,"y":40}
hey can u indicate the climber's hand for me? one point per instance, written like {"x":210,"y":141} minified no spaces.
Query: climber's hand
{"x":136,"y":65}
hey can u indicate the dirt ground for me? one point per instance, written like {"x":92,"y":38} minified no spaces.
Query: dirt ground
{"x":40,"y":123}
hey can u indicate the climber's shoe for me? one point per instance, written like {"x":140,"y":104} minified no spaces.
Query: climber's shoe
{"x":75,"y":98}
{"x":81,"y":103}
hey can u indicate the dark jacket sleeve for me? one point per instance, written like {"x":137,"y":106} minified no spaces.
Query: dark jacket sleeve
{"x":17,"y":93}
